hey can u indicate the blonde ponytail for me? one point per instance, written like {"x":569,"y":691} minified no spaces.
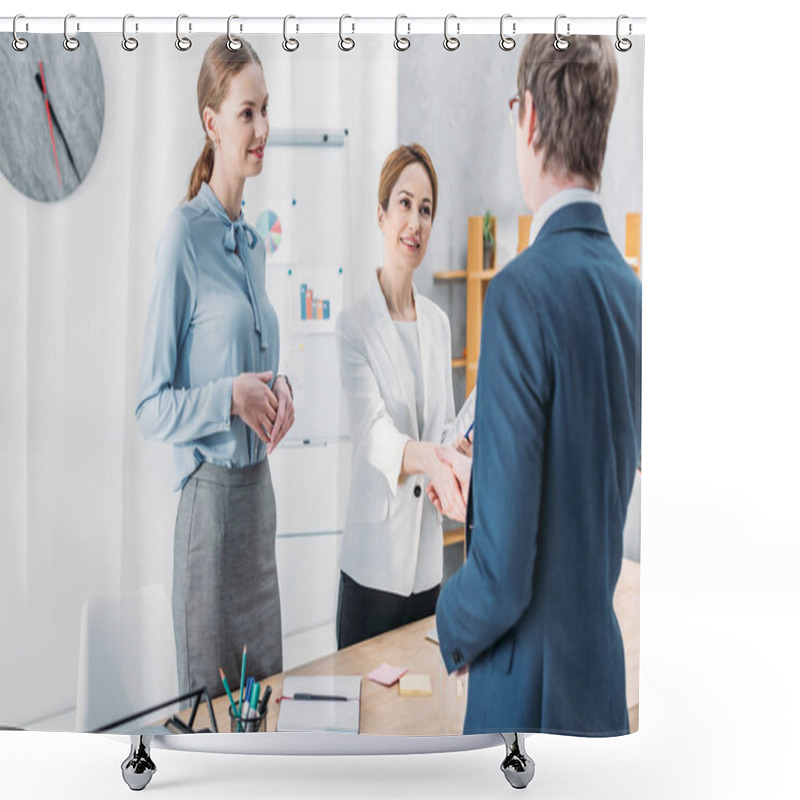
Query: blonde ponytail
{"x":203,"y":168}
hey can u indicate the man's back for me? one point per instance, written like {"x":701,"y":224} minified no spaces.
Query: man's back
{"x":557,"y":439}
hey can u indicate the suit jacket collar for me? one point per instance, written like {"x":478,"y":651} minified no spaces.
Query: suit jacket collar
{"x":573,"y":217}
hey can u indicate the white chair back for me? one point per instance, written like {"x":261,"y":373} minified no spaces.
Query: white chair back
{"x":127,"y":656}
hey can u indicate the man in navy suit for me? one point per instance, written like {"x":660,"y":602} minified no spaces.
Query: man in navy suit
{"x":557,"y":429}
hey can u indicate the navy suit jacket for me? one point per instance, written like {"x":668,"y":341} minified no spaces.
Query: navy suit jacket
{"x":557,"y":441}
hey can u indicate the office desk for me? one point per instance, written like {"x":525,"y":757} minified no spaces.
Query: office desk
{"x":384,"y":711}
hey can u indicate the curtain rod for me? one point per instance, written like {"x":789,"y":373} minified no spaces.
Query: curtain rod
{"x":348,"y":25}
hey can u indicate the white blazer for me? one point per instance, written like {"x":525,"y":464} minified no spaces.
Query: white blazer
{"x":392,"y":535}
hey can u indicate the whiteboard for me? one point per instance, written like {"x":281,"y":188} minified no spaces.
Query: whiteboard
{"x":300,"y":206}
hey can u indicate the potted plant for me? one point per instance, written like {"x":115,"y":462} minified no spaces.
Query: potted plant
{"x":488,"y":240}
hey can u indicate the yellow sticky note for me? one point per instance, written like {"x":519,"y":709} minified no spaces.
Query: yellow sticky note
{"x":415,"y":686}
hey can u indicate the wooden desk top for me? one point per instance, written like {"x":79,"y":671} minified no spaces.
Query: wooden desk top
{"x":384,"y":711}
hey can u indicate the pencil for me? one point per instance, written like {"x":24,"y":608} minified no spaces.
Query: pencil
{"x":227,"y":690}
{"x":241,"y":680}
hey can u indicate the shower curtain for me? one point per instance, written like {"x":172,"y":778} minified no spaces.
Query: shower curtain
{"x":98,"y":144}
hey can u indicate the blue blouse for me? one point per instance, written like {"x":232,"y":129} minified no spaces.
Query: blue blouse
{"x":209,"y":320}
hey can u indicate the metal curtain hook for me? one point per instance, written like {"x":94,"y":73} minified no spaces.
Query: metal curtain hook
{"x":623,"y":45}
{"x":19,"y":44}
{"x":560,"y":42}
{"x":451,"y":42}
{"x":70,"y":42}
{"x":183,"y":43}
{"x":290,"y":44}
{"x":401,"y":42}
{"x":128,"y":42}
{"x":345,"y":42}
{"x":233,"y":43}
{"x":506,"y":42}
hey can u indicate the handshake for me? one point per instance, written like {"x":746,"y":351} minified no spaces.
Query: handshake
{"x":449,"y":475}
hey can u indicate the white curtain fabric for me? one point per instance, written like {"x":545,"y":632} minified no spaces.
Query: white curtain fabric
{"x":86,"y":506}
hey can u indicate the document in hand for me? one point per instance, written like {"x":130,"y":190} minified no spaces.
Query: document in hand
{"x":322,"y":712}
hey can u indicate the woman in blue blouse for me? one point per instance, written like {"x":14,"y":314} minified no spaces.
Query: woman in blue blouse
{"x":208,"y":387}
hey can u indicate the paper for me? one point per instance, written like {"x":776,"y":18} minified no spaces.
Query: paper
{"x":321,"y":715}
{"x":462,"y":423}
{"x":415,"y":686}
{"x":386,"y":674}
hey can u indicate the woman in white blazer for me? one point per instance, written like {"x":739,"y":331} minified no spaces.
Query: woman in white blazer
{"x":395,"y":361}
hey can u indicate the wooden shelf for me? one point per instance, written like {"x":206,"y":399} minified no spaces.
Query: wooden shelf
{"x":483,"y":275}
{"x":458,"y":363}
{"x":450,"y":275}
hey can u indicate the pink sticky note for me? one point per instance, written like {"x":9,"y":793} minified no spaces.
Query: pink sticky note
{"x":386,"y":674}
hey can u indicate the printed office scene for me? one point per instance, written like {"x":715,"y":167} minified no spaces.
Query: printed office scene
{"x":321,"y":386}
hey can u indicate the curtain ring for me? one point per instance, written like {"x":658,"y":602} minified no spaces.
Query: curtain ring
{"x":623,"y":45}
{"x":401,"y":42}
{"x":70,"y":42}
{"x":560,"y":43}
{"x":506,"y":42}
{"x":289,"y":44}
{"x":233,"y":44}
{"x":183,"y":43}
{"x":128,"y":42}
{"x":345,"y":42}
{"x":19,"y":44}
{"x":451,"y":42}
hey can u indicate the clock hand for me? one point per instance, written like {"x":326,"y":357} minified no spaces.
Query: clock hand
{"x":43,"y":88}
{"x":51,"y":111}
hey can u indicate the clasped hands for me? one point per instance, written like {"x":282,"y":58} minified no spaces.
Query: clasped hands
{"x":448,"y":487}
{"x":268,"y":412}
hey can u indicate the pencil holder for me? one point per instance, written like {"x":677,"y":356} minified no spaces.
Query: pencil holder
{"x":252,"y":724}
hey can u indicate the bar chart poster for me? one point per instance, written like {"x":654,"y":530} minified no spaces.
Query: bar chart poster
{"x":317,"y":299}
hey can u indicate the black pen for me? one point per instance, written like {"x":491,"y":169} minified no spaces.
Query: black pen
{"x":306,"y":696}
{"x":264,"y":700}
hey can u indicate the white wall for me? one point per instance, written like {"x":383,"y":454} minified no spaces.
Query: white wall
{"x":87,"y":507}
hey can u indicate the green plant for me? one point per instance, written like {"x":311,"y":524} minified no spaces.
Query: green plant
{"x":488,"y":236}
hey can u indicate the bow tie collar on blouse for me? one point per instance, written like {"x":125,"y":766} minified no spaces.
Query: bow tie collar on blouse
{"x":239,"y":234}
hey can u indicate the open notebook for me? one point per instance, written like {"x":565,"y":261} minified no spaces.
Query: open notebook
{"x":321,"y":714}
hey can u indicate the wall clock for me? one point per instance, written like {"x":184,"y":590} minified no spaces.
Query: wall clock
{"x":52,"y":105}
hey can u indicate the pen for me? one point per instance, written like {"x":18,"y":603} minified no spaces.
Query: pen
{"x":469,"y":430}
{"x":262,"y":706}
{"x":307,"y":696}
{"x":253,"y":726}
{"x":245,"y":714}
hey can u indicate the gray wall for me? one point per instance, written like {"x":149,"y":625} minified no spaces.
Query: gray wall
{"x":460,"y":115}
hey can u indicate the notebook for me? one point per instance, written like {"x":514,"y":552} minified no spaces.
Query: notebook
{"x":320,"y":714}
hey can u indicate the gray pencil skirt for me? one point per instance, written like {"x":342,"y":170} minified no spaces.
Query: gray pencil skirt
{"x":225,"y":582}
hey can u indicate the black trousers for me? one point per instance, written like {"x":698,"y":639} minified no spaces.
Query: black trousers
{"x":364,"y":612}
